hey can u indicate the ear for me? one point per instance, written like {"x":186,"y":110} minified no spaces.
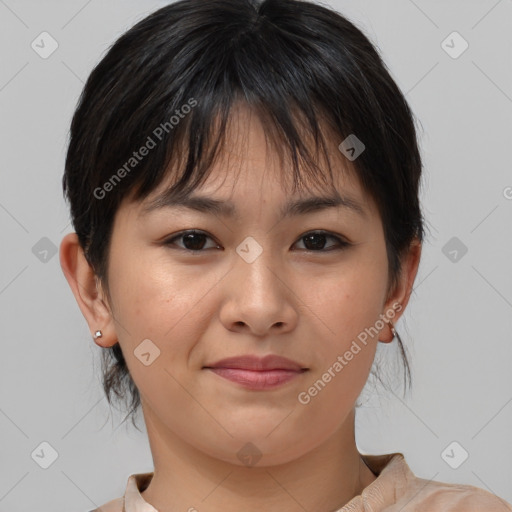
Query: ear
{"x":87,"y":290}
{"x":398,"y":299}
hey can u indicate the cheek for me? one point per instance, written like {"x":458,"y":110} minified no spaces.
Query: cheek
{"x":346,"y":314}
{"x":167,"y":306}
{"x":152,"y":296}
{"x":344,"y":309}
{"x":347,"y":300}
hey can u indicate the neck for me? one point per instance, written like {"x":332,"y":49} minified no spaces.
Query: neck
{"x":186,"y":478}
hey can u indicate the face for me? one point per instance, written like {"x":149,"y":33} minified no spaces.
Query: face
{"x":304,"y":286}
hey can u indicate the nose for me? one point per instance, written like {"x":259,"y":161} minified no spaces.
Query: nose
{"x":258,"y":297}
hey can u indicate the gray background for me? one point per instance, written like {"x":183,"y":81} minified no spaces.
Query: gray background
{"x":457,"y":326}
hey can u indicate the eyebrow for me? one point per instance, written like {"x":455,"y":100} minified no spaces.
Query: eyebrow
{"x":226,"y":208}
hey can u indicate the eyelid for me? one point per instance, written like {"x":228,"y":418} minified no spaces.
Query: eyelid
{"x":169,"y":241}
{"x":343,"y":243}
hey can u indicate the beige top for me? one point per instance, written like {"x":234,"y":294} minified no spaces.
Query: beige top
{"x":395,"y":489}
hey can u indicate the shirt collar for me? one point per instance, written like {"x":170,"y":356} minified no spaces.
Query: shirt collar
{"x":393,"y":480}
{"x":133,"y":500}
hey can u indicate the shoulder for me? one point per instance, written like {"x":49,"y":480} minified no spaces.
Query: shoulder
{"x":432,"y":495}
{"x":111,"y":506}
{"x":398,"y":487}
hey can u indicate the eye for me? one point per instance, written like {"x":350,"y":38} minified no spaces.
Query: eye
{"x":192,"y":239}
{"x":315,"y":241}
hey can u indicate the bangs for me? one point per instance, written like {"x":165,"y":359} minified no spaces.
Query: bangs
{"x":190,"y":125}
{"x":303,"y":152}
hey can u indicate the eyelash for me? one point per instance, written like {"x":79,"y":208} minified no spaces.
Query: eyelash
{"x":342,"y":244}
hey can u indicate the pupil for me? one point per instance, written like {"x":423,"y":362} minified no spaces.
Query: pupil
{"x":315,"y":245}
{"x":189,"y":237}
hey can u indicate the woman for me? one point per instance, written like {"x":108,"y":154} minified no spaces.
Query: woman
{"x":272,"y":136}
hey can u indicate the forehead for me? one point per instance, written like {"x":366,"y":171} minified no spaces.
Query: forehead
{"x":252,"y":140}
{"x":254,"y":163}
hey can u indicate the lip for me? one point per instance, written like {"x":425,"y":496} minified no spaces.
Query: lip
{"x":257,"y":373}
{"x":255,"y":363}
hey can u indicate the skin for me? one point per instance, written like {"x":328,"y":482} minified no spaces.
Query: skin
{"x":308,"y":306}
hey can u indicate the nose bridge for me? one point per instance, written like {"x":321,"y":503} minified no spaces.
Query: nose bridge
{"x":257,"y":265}
{"x":257,"y":299}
